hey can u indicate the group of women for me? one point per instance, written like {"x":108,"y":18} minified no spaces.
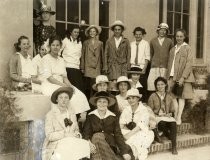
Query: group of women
{"x":80,"y":79}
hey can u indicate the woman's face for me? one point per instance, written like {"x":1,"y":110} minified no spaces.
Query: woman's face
{"x":135,"y":77}
{"x":63,"y":100}
{"x":75,"y":33}
{"x":24,"y":45}
{"x":42,"y":51}
{"x":102,"y":87}
{"x":55,"y":48}
{"x":133,"y":100}
{"x":162,"y":32}
{"x":118,"y":31}
{"x":92,"y":33}
{"x":46,"y":16}
{"x":138,"y":35}
{"x":123,"y":87}
{"x":161,"y":86}
{"x":102,"y":104}
{"x":180,"y":37}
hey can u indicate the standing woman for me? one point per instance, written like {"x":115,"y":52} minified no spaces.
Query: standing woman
{"x":71,"y":53}
{"x":22,"y":72}
{"x":180,"y":70}
{"x":92,"y":61}
{"x":117,"y":52}
{"x":55,"y":76}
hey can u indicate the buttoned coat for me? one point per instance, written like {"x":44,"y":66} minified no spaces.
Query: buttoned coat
{"x":117,"y":60}
{"x":55,"y":130}
{"x":182,"y":64}
{"x":92,"y":61}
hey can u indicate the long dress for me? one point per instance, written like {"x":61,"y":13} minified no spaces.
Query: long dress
{"x":140,"y":141}
{"x":56,"y":67}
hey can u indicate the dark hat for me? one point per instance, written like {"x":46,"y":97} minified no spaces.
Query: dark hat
{"x":68,"y":90}
{"x":102,"y":94}
{"x":46,"y":8}
{"x":135,"y":70}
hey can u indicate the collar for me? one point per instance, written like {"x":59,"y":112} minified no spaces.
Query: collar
{"x":71,"y":39}
{"x":183,"y":44}
{"x":108,"y":113}
{"x":28,"y":56}
{"x":138,"y":84}
{"x":118,"y":39}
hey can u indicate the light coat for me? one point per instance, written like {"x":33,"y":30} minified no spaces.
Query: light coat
{"x":182,"y":65}
{"x":92,"y":60}
{"x":55,"y":130}
{"x":117,"y":60}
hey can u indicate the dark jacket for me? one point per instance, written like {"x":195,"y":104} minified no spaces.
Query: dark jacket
{"x":111,"y":129}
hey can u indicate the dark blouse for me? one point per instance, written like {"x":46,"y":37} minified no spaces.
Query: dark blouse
{"x":111,"y":129}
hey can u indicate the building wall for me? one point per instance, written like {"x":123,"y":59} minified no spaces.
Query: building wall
{"x":207,"y":38}
{"x":15,"y":20}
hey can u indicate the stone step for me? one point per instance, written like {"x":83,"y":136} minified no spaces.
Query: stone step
{"x":183,"y":141}
{"x":184,"y":128}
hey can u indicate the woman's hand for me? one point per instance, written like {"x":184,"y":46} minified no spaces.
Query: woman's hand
{"x":92,"y":148}
{"x":126,"y":157}
{"x":181,"y":81}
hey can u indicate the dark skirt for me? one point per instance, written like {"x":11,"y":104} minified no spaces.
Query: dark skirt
{"x":76,"y":78}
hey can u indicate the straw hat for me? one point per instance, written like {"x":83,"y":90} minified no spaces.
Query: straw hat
{"x":100,"y":79}
{"x":46,"y":8}
{"x":123,"y":79}
{"x":117,"y":23}
{"x":90,"y":27}
{"x":68,"y":90}
{"x":135,"y":70}
{"x":102,"y":94}
{"x":133,"y":92}
{"x":163,"y":26}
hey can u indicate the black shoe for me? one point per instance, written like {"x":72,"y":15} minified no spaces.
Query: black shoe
{"x":157,"y":137}
{"x":174,"y":151}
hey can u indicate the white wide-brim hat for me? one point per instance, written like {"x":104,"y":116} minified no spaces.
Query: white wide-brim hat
{"x":100,"y":79}
{"x":98,"y":28}
{"x":133,"y":92}
{"x":117,"y":23}
{"x":163,"y":26}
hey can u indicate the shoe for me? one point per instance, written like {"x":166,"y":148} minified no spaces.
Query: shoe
{"x":157,"y":137}
{"x":174,"y":151}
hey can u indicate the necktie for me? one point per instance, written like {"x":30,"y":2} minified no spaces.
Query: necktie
{"x":137,"y":50}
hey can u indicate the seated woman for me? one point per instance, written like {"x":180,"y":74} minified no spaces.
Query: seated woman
{"x":103,"y":130}
{"x":162,"y":105}
{"x":134,"y":123}
{"x":123,"y":85}
{"x":63,"y":140}
{"x":102,"y":84}
{"x":134,"y":74}
{"x":21,"y":67}
{"x":38,"y":66}
{"x":55,"y":76}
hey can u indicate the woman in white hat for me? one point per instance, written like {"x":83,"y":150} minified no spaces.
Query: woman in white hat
{"x":117,"y":52}
{"x":123,"y":85}
{"x":102,"y":84}
{"x":63,"y":139}
{"x":103,"y":131}
{"x":44,"y":30}
{"x":134,"y":123}
{"x":92,"y":60}
{"x":159,"y":48}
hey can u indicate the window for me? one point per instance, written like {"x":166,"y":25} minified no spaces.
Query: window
{"x":178,"y":15}
{"x":70,"y":13}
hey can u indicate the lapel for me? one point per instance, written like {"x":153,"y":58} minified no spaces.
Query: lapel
{"x":94,"y":46}
{"x":113,"y":44}
{"x":58,"y":116}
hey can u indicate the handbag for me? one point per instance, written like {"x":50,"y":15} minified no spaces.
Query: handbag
{"x":177,"y":89}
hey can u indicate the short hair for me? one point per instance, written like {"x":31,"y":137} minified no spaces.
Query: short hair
{"x":16,"y":45}
{"x":143,"y":31}
{"x":53,"y":38}
{"x":162,"y":80}
{"x":183,"y":31}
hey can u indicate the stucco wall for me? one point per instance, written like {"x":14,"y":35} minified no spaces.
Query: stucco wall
{"x":15,"y":20}
{"x":136,"y":13}
{"x":207,"y":49}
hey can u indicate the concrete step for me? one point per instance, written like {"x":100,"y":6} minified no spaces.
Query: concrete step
{"x":183,"y":141}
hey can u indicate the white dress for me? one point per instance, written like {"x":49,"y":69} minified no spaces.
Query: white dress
{"x":141,"y":141}
{"x":56,"y":67}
